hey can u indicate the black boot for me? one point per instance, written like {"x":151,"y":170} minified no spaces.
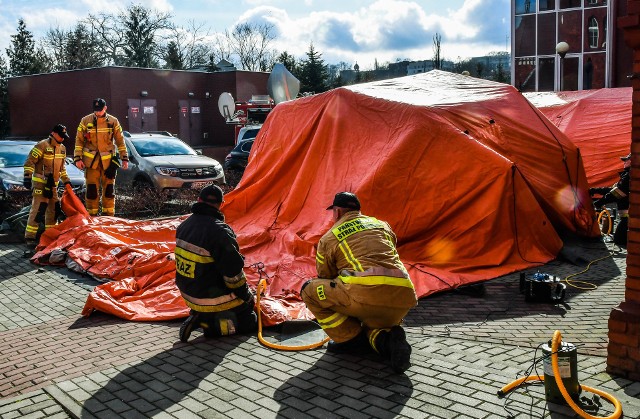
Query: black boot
{"x":188,"y":326}
{"x":393,"y":346}
{"x":358,"y":345}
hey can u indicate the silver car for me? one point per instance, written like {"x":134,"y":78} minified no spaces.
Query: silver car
{"x":167,"y":164}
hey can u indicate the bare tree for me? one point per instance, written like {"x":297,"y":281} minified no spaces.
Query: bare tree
{"x":54,"y":44}
{"x":188,"y":45}
{"x":106,"y":31}
{"x":250,"y":43}
{"x":437,"y":57}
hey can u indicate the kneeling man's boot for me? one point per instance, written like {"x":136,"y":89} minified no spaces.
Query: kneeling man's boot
{"x":188,"y":326}
{"x":393,"y":346}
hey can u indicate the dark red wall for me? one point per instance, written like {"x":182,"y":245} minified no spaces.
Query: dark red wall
{"x":39,"y":102}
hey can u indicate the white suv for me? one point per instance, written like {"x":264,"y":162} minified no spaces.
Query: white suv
{"x":166,"y":163}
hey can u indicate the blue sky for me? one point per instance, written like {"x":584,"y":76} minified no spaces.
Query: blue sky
{"x":342,"y":30}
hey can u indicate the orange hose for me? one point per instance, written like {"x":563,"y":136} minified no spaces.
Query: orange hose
{"x":556,"y":373}
{"x":608,"y":214}
{"x":261,"y":286}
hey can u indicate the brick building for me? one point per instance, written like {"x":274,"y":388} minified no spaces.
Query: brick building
{"x":597,"y":56}
{"x":184,"y":103}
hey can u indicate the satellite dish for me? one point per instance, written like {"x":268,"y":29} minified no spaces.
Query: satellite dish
{"x":226,"y":105}
{"x":282,"y":85}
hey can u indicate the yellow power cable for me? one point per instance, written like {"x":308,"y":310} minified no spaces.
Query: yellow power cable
{"x":590,"y":285}
{"x":261,"y":285}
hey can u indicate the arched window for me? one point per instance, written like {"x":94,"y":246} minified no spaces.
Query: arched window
{"x":593,"y":32}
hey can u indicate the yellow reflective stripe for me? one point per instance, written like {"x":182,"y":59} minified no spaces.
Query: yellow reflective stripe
{"x":90,"y":155}
{"x":377,"y":280}
{"x":333,"y":321}
{"x":319,"y":258}
{"x":346,"y":251}
{"x":36,"y":178}
{"x":48,"y":157}
{"x":235,"y":281}
{"x":106,"y":157}
{"x":123,"y":148}
{"x":32,"y":229}
{"x":78,"y":147}
{"x":60,"y":156}
{"x":213,"y":309}
{"x":118,"y":128}
{"x":193,"y":256}
{"x":46,"y":226}
{"x":28,"y":169}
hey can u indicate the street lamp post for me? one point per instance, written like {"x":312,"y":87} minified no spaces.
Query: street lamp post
{"x":562,"y":48}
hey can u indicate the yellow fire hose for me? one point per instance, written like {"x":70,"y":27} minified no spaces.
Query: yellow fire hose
{"x":601,"y":214}
{"x":557,"y":338}
{"x":261,"y":285}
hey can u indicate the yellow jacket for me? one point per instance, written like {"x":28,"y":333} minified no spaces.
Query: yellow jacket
{"x":95,"y":141}
{"x":361,"y":252}
{"x":46,"y":158}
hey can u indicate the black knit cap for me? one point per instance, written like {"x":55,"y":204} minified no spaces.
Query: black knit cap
{"x":346,"y":200}
{"x":61,"y":130}
{"x":99,"y":104}
{"x":211,"y":194}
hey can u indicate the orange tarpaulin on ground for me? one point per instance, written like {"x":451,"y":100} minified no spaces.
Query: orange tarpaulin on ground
{"x":475,"y":182}
{"x":596,"y":121}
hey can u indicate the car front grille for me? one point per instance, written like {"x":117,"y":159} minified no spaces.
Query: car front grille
{"x":198,"y":173}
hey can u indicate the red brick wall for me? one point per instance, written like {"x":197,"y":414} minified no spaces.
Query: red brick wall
{"x":623,"y":356}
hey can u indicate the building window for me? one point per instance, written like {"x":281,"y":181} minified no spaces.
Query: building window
{"x":593,"y":2}
{"x":604,"y":30}
{"x":593,"y":32}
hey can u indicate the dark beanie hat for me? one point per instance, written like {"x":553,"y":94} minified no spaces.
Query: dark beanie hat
{"x":99,"y":104}
{"x":61,"y":130}
{"x":211,"y":194}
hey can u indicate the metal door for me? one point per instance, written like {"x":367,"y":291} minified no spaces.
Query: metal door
{"x":189,"y":114}
{"x":142,"y":115}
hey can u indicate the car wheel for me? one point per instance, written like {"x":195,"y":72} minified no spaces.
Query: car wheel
{"x":140,"y":185}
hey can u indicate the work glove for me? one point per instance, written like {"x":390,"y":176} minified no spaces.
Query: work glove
{"x":47,"y":192}
{"x":26,"y":181}
{"x":110,"y":172}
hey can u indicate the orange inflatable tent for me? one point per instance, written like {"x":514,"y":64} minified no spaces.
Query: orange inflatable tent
{"x":596,"y":121}
{"x":473,"y":179}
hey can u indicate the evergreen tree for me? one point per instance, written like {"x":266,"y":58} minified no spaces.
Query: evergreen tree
{"x":289,"y":61}
{"x":313,"y":73}
{"x":173,"y":58}
{"x":140,"y":27}
{"x":81,"y":50}
{"x":4,"y":98}
{"x":24,"y":59}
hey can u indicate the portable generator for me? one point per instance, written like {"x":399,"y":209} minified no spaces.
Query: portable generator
{"x":541,"y":287}
{"x":568,"y":367}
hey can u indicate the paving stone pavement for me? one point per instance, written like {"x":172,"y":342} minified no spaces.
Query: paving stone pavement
{"x":55,"y":363}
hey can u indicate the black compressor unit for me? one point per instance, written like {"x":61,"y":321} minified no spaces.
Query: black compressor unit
{"x":541,"y":287}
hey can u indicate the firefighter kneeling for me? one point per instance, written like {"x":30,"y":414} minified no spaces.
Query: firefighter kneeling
{"x":44,"y":167}
{"x":209,"y":272}
{"x":363,"y":290}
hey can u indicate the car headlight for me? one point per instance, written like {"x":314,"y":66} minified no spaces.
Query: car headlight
{"x":13,"y":186}
{"x":210,"y":171}
{"x":168,"y":171}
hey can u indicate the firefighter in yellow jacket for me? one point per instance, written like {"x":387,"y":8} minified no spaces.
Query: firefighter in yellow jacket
{"x":99,"y":143}
{"x":363,"y":290}
{"x":42,"y":170}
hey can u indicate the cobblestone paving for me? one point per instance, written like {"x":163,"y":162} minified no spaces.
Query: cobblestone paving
{"x":55,"y":363}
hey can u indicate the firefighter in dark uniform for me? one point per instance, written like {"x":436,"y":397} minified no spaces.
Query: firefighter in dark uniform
{"x":618,"y":193}
{"x":43,"y":169}
{"x":363,"y":290}
{"x":96,"y":153}
{"x":209,"y":272}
